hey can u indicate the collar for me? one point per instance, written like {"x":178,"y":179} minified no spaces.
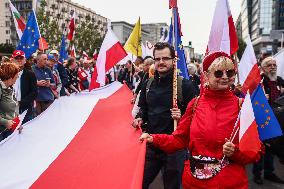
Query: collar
{"x":3,"y":85}
{"x":167,"y":77}
{"x":224,"y":94}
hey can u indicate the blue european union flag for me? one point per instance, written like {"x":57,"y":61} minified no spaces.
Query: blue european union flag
{"x":29,"y":41}
{"x":181,"y":63}
{"x":63,"y":54}
{"x":268,"y":125}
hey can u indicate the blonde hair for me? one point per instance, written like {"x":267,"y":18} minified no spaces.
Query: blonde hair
{"x":222,"y":63}
{"x":152,"y":70}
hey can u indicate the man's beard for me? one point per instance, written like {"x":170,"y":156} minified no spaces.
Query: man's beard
{"x":272,"y":76}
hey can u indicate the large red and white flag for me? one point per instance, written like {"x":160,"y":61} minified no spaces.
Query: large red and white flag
{"x":71,"y":27}
{"x":249,"y":142}
{"x":81,"y":141}
{"x":223,"y":35}
{"x":18,"y":20}
{"x":110,"y":54}
{"x":249,"y":72}
{"x":95,"y":55}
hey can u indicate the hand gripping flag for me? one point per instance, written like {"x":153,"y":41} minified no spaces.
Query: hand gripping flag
{"x":29,"y":41}
{"x":268,"y":126}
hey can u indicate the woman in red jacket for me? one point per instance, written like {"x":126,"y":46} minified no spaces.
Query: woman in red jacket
{"x":205,"y":128}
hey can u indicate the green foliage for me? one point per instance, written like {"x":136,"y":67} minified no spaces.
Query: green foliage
{"x":87,"y":37}
{"x":48,"y":27}
{"x":242,"y":47}
{"x":6,"y":48}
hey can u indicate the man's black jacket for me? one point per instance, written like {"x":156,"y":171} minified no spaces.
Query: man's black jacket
{"x":155,"y":108}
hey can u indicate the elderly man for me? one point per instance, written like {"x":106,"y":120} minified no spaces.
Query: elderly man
{"x":274,"y":87}
{"x":45,"y":81}
{"x":25,"y":86}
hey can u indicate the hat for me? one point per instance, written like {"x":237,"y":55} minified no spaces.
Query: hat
{"x":17,"y":53}
{"x":51,"y":57}
{"x":54,"y":52}
{"x":207,"y":61}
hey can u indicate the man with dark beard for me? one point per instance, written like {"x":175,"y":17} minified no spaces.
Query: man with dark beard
{"x":273,"y":87}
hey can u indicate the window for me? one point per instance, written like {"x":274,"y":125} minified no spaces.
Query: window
{"x":7,"y":31}
{"x":7,"y":24}
{"x":7,"y":5}
{"x":7,"y":41}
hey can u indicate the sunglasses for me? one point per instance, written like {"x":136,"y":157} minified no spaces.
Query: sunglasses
{"x":220,"y":73}
{"x":163,"y":59}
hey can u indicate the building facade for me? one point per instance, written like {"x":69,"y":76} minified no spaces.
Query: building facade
{"x":60,"y":10}
{"x":123,"y":30}
{"x":156,"y":31}
{"x":5,"y":22}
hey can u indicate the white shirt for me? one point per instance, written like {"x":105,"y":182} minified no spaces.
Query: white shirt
{"x":17,"y":87}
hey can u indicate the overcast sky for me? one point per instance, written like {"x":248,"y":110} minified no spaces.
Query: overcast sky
{"x":196,"y":15}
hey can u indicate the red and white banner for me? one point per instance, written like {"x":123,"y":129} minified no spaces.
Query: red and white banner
{"x":279,"y":57}
{"x":81,"y":141}
{"x":223,"y":35}
{"x":249,"y":72}
{"x":249,"y":142}
{"x":73,"y":52}
{"x":71,"y":32}
{"x":110,"y":54}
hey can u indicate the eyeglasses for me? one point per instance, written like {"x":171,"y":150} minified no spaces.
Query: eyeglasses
{"x":271,"y":65}
{"x":163,"y":59}
{"x":220,"y":73}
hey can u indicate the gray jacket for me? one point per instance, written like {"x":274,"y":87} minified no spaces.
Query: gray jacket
{"x":8,"y":105}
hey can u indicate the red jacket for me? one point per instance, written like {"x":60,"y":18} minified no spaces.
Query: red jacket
{"x":213,"y":121}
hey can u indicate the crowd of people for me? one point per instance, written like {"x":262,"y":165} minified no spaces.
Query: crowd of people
{"x":198,"y":153}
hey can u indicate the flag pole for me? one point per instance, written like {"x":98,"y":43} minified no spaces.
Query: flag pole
{"x":237,"y":67}
{"x":174,"y":68}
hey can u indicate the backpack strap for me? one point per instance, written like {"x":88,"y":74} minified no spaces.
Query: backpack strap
{"x":149,"y":83}
{"x":1,"y":96}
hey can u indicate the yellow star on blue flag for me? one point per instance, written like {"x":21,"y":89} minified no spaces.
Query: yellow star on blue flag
{"x":264,"y":116}
{"x":29,"y":41}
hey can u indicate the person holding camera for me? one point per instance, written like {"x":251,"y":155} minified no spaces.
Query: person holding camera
{"x":45,"y":81}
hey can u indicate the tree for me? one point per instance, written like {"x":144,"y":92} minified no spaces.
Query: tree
{"x":6,"y":48}
{"x":87,"y":36}
{"x":48,"y":27}
{"x":242,"y":47}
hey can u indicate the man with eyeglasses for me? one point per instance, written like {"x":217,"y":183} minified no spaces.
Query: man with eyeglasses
{"x":25,"y":86}
{"x":157,"y":116}
{"x":273,"y":87}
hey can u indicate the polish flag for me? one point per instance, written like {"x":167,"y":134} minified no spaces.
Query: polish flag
{"x":95,"y":55}
{"x":249,"y":142}
{"x":71,"y":32}
{"x":85,"y":56}
{"x":172,"y":4}
{"x":248,"y":69}
{"x":110,"y":54}
{"x":223,"y":35}
{"x":73,"y":52}
{"x":81,"y":147}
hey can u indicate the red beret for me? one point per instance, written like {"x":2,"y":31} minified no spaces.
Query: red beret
{"x":17,"y":53}
{"x":207,"y":61}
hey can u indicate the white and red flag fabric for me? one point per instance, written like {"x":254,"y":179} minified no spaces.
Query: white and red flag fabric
{"x":85,"y":56}
{"x":223,"y":35}
{"x":71,"y":27}
{"x":249,"y":142}
{"x":77,"y":143}
{"x":18,"y":20}
{"x":249,"y":72}
{"x":111,"y":53}
{"x":73,"y":52}
{"x":95,"y":55}
{"x":172,"y":4}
